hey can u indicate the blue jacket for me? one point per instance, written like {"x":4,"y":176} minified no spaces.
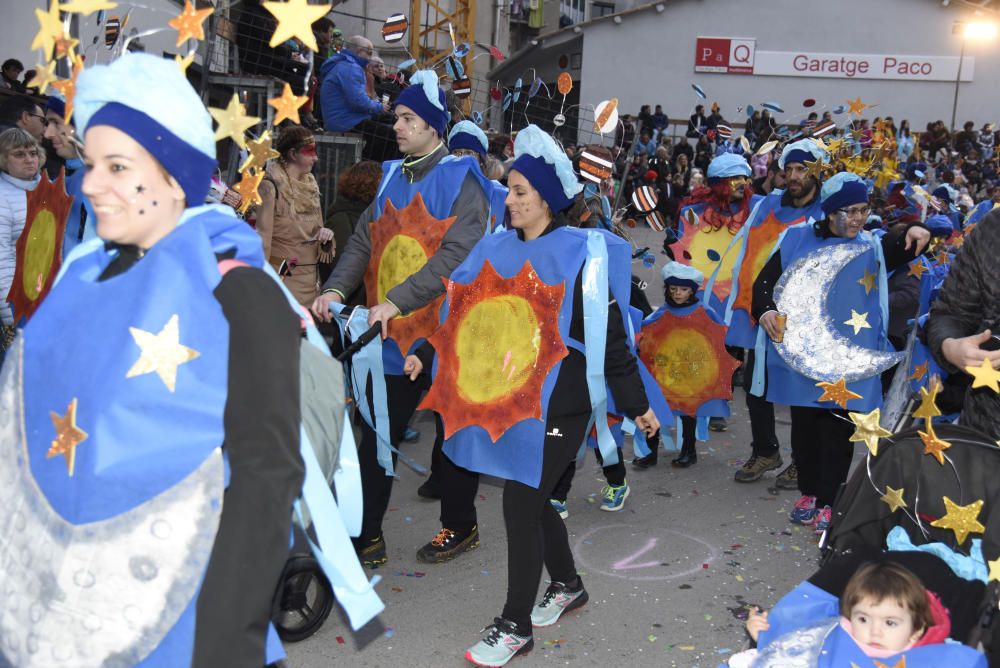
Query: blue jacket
{"x":342,"y":93}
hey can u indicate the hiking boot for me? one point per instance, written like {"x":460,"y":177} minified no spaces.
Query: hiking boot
{"x":804,"y":511}
{"x":560,"y":507}
{"x":447,"y":545}
{"x":501,"y":642}
{"x":789,"y":478}
{"x":558,"y":599}
{"x":373,"y":554}
{"x":645,"y":462}
{"x":718,"y":424}
{"x":614,"y":497}
{"x":757,"y":466}
{"x":429,"y":490}
{"x":823,"y":519}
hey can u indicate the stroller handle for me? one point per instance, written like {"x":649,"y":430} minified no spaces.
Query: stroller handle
{"x":361,"y":342}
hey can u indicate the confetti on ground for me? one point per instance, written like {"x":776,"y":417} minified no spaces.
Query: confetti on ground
{"x":705,"y":566}
{"x":652,"y":638}
{"x":408,"y":520}
{"x":724,"y":650}
{"x":686,"y":648}
{"x":340,"y":640}
{"x":482,"y":497}
{"x":389,"y":632}
{"x":397,"y":589}
{"x":739,"y":578}
{"x":708,"y":617}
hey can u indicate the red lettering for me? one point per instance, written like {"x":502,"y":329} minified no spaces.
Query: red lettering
{"x":926,"y":69}
{"x":800,"y":63}
{"x":888,"y":63}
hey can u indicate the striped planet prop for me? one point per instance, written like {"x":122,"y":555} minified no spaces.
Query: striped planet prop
{"x":606,"y":116}
{"x":394,"y":28}
{"x":824,"y":128}
{"x":644,"y":199}
{"x":594,"y":167}
{"x":655,"y":221}
{"x":724,"y":131}
{"x":462,"y":87}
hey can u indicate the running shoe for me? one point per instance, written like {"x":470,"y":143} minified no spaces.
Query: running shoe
{"x":373,"y":554}
{"x":560,"y":507}
{"x":614,"y":497}
{"x":447,"y":545}
{"x":823,"y":519}
{"x":804,"y":511}
{"x":501,"y":642}
{"x":558,"y":599}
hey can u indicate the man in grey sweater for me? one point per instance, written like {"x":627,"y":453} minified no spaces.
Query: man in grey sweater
{"x":429,"y":212}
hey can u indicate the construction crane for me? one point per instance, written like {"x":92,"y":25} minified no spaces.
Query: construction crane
{"x":430,"y":40}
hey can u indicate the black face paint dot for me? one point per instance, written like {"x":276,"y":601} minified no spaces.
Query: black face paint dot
{"x":154,"y":202}
{"x":140,"y":188}
{"x":142,"y":212}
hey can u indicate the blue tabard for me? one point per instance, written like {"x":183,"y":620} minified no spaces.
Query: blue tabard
{"x":557,"y":257}
{"x":81,"y":213}
{"x":742,"y":331}
{"x":978,"y":213}
{"x":439,"y":189}
{"x":786,"y":386}
{"x":142,"y":439}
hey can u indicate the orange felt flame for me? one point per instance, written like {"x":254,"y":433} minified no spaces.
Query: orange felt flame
{"x":759,"y":246}
{"x":403,"y":240}
{"x":500,"y":341}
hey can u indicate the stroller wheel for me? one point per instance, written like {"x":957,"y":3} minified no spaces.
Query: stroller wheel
{"x":303,"y":600}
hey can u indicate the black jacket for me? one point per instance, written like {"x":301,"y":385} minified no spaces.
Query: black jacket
{"x":969,"y":302}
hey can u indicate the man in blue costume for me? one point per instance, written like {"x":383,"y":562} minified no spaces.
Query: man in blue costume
{"x":443,"y":201}
{"x":798,"y":202}
{"x":844,"y":290}
{"x":61,"y":135}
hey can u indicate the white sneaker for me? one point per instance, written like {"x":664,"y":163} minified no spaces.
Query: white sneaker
{"x":500,"y":644}
{"x":557,"y":600}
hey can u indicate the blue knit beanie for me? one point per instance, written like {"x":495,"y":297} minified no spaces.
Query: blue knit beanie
{"x":539,"y":159}
{"x":842,"y":190}
{"x":427,"y":100}
{"x":468,"y":135}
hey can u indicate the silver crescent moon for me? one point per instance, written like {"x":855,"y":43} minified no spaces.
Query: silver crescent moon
{"x":98,"y":594}
{"x":812,"y":345}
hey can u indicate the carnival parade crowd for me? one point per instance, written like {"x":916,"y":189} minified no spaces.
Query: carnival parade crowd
{"x":178,"y":351}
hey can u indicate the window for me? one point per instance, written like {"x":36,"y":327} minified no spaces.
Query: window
{"x":599,"y":9}
{"x":575,"y":10}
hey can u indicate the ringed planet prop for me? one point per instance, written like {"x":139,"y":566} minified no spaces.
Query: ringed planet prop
{"x":394,"y":28}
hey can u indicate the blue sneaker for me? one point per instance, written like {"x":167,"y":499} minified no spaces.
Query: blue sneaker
{"x":560,"y":507}
{"x":614,"y":497}
{"x":804,"y":511}
{"x":823,"y":519}
{"x":411,"y":435}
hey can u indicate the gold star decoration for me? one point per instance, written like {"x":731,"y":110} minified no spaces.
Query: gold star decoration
{"x":884,"y":175}
{"x":295,"y":19}
{"x":994,"y":570}
{"x":233,"y":121}
{"x":868,"y":430}
{"x":68,"y":436}
{"x":837,"y":392}
{"x":247,"y":188}
{"x":917,"y":269}
{"x":984,"y":375}
{"x":188,"y":23}
{"x":857,"y":107}
{"x":88,"y":7}
{"x":184,"y":62}
{"x":49,"y":29}
{"x":64,"y":46}
{"x":287,"y":105}
{"x":963,"y":520}
{"x":933,"y":445}
{"x":68,"y":86}
{"x":928,"y":401}
{"x":858,"y":321}
{"x":868,"y":281}
{"x":919,"y":371}
{"x":894,"y":498}
{"x":814,"y":168}
{"x":834,"y":146}
{"x":260,"y":152}
{"x":161,"y":352}
{"x":44,"y":75}
{"x":942,"y":258}
{"x":899,"y":664}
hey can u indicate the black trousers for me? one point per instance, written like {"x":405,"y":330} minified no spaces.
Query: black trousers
{"x":690,"y":426}
{"x":765,"y":440}
{"x":403,"y":395}
{"x":536,"y":535}
{"x":458,"y":486}
{"x":380,"y":141}
{"x":822,"y":451}
{"x":614,"y":474}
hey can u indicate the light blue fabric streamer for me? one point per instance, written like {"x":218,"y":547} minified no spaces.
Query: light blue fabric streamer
{"x":701,"y":428}
{"x":333,"y":549}
{"x":347,"y":481}
{"x":679,"y":429}
{"x":883,"y":282}
{"x":640,"y":446}
{"x":972,"y":567}
{"x":594,"y":285}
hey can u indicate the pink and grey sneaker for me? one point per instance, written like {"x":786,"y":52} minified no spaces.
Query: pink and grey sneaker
{"x":804,"y":511}
{"x":558,"y":599}
{"x":501,"y":642}
{"x":823,"y":519}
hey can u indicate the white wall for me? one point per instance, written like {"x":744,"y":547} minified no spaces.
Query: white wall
{"x":649,"y":58}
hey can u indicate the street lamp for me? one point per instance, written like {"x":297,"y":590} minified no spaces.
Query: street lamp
{"x":978,"y":31}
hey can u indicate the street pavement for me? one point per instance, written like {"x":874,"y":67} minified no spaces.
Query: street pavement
{"x":669,"y":576}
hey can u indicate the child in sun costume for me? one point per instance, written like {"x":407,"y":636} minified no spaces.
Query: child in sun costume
{"x":150,"y":414}
{"x":511,"y":365}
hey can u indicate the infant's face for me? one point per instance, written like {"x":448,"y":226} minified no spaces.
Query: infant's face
{"x":883,"y":625}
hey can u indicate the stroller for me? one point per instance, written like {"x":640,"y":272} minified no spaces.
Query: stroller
{"x":862,"y":521}
{"x":304,"y":597}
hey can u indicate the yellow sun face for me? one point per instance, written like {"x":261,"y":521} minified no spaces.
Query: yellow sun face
{"x":497,"y":347}
{"x":403,"y":256}
{"x":38,"y":252}
{"x":495,"y":350}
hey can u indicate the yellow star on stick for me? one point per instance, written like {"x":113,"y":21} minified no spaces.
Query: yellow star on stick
{"x":834,"y":146}
{"x":64,"y":46}
{"x":963,"y":520}
{"x":68,"y":86}
{"x":44,"y":76}
{"x":295,"y":19}
{"x":184,"y":62}
{"x":928,"y":401}
{"x":88,"y":7}
{"x":858,"y":321}
{"x":260,"y":152}
{"x":917,"y":269}
{"x":994,"y":570}
{"x":68,"y":436}
{"x":868,"y":430}
{"x":287,"y":105}
{"x":933,"y":445}
{"x":161,"y":352}
{"x":894,"y":498}
{"x":857,"y":107}
{"x":984,"y":375}
{"x":188,"y":23}
{"x":247,"y":188}
{"x":868,"y":281}
{"x":233,"y":121}
{"x":837,"y":392}
{"x":49,"y":29}
{"x":814,"y":168}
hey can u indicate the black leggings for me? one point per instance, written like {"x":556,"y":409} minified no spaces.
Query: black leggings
{"x":765,"y":440}
{"x":614,"y":474}
{"x":536,"y":534}
{"x":822,"y":451}
{"x":458,"y":486}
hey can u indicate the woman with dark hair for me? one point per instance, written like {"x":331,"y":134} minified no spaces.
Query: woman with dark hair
{"x":290,"y":219}
{"x":356,"y":189}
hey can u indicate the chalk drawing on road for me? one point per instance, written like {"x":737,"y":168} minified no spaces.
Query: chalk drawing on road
{"x":639,"y":561}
